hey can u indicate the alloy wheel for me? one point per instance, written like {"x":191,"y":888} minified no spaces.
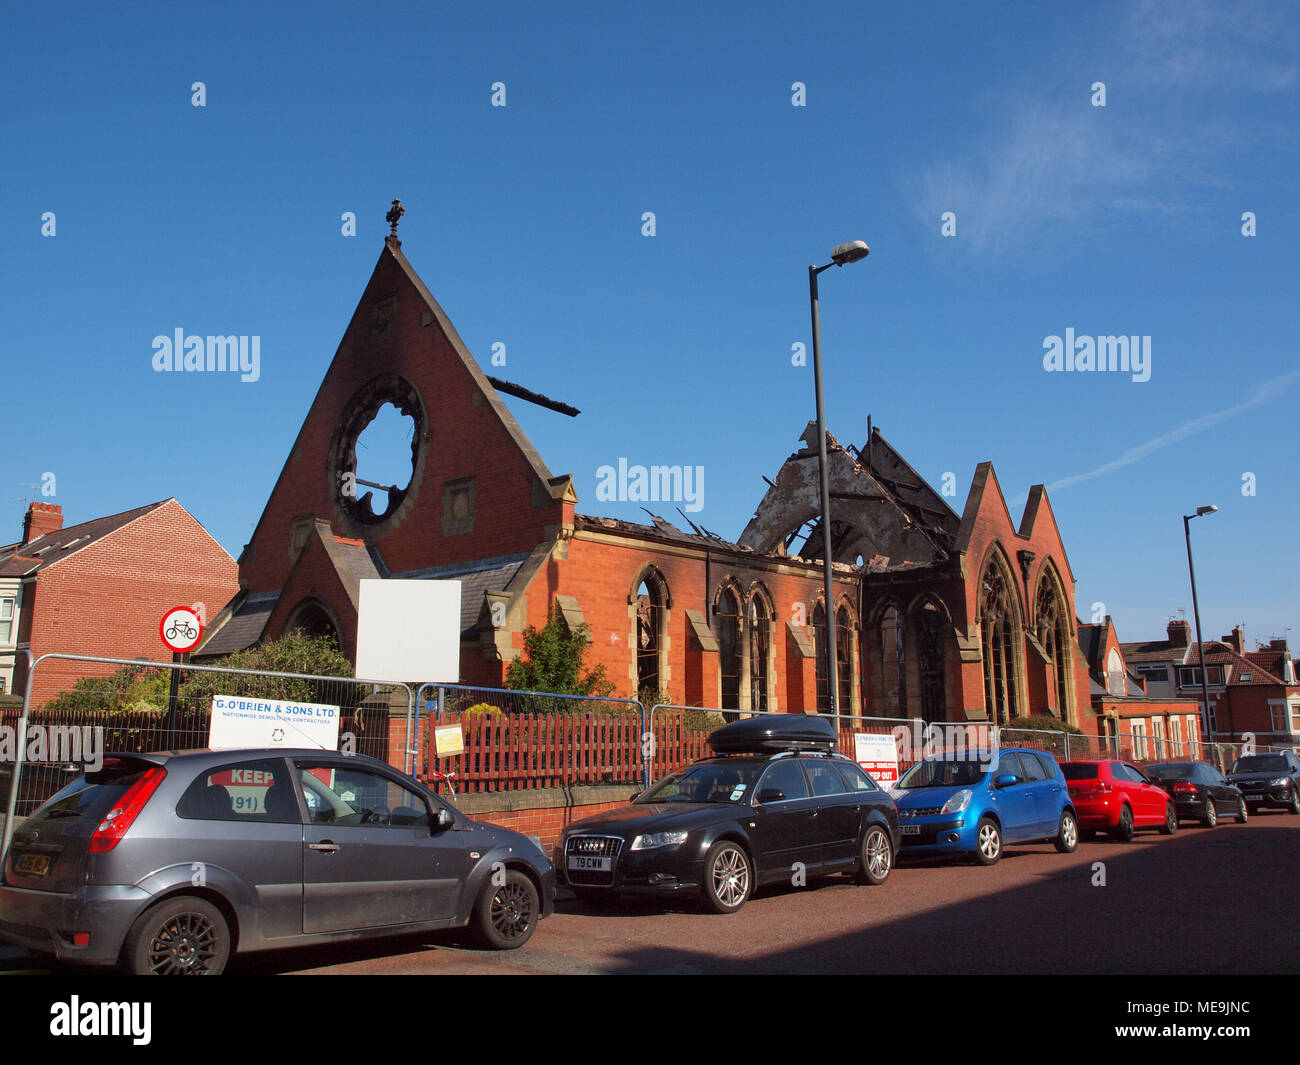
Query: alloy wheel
{"x":512,"y":910}
{"x":730,"y":875}
{"x":184,"y":945}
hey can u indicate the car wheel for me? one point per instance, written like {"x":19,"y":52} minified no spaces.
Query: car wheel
{"x":1067,"y":836}
{"x":1124,"y":829}
{"x":1210,"y":815}
{"x":1295,"y":802}
{"x":183,"y":936}
{"x":1242,"y":813}
{"x":1171,"y":820}
{"x":728,"y":878}
{"x":875,"y":857}
{"x":988,"y":841}
{"x":505,"y":915}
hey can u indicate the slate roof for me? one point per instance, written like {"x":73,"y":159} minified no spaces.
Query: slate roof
{"x":476,"y":578}
{"x":1216,"y":654}
{"x":21,"y":560}
{"x":244,"y":626}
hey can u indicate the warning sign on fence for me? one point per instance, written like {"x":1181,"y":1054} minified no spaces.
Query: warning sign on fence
{"x":448,"y":740}
{"x":878,"y":755}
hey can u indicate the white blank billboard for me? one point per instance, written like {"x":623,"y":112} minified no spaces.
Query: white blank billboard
{"x":409,"y":631}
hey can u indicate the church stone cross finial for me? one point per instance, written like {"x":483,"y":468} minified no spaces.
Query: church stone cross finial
{"x":394,"y":213}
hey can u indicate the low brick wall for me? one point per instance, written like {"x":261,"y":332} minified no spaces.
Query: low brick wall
{"x":543,"y":812}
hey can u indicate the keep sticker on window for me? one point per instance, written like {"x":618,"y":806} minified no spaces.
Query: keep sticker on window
{"x":737,"y":792}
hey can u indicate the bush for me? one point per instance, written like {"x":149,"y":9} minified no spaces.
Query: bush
{"x":1044,"y":723}
{"x":131,"y":689}
{"x":553,"y":661}
{"x":291,"y":653}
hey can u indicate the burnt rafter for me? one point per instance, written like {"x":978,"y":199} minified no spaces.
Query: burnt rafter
{"x":520,"y":392}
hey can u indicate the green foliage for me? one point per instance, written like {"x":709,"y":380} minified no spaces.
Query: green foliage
{"x":291,"y":653}
{"x":131,"y":689}
{"x":553,"y":661}
{"x":1045,"y":723}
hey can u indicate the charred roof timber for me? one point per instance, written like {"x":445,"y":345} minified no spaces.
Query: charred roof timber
{"x":520,"y":392}
{"x":887,"y":510}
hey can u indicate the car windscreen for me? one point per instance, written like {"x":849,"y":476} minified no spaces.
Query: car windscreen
{"x":720,"y":781}
{"x":1079,"y":771}
{"x":1260,"y":763}
{"x":937,"y":773}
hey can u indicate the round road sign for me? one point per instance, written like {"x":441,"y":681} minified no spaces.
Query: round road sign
{"x":180,"y":629}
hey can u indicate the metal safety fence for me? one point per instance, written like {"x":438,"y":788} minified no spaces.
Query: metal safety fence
{"x":137,"y":705}
{"x":512,"y":740}
{"x":1138,"y":748}
{"x":680,"y":734}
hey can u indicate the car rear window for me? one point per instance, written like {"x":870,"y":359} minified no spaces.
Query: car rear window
{"x":92,"y":795}
{"x":241,"y":791}
{"x":1079,"y":770}
{"x":855,"y":777}
{"x":1177,"y":771}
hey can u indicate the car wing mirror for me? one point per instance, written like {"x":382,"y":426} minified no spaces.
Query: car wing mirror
{"x":770,"y":795}
{"x":444,"y":819}
{"x":633,"y":796}
{"x":1005,"y":780}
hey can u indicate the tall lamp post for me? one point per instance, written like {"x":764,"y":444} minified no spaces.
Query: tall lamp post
{"x":1196,"y":610}
{"x":841,"y":255}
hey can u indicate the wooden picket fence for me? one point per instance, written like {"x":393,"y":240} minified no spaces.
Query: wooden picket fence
{"x":513,"y":752}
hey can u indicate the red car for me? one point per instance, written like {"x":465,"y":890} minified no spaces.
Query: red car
{"x":1116,"y":797}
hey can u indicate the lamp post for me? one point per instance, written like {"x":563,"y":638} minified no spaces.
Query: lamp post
{"x":1196,"y":610}
{"x":841,"y":255}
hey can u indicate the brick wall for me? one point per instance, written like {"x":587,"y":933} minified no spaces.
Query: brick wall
{"x":108,"y":597}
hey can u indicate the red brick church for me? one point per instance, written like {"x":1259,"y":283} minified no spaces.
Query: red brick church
{"x":940,"y":615}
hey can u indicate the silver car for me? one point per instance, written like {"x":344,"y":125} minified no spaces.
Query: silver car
{"x":170,"y":862}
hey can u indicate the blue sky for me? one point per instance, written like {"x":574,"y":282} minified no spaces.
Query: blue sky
{"x":526,"y":223}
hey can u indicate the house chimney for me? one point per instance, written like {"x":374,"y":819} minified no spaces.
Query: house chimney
{"x":41,"y":518}
{"x":1180,"y":633}
{"x":1235,"y":639}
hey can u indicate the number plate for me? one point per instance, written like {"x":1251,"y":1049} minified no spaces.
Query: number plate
{"x":580,"y":861}
{"x":33,"y":865}
{"x":910,"y":830}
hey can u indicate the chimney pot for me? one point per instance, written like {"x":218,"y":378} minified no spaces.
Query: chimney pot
{"x":42,"y":518}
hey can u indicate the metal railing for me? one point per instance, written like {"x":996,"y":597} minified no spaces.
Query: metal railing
{"x":142,"y":705}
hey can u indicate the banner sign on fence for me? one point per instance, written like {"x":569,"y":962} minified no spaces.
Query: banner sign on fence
{"x":448,"y":740}
{"x":878,"y":755}
{"x":246,"y":721}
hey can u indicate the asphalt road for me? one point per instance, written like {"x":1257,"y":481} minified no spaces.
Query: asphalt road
{"x":1204,"y":901}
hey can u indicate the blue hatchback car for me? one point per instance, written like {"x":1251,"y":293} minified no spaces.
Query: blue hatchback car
{"x":977,"y":802}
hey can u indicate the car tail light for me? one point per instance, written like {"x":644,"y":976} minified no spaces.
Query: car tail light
{"x":116,"y":822}
{"x":1093,"y":789}
{"x":1182,"y":787}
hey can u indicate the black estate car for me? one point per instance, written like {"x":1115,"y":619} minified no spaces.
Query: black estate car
{"x":778,"y":806}
{"x":1269,"y":780}
{"x":169,"y":863}
{"x":1200,"y":792}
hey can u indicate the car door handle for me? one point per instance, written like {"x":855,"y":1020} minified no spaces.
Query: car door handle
{"x":328,"y":846}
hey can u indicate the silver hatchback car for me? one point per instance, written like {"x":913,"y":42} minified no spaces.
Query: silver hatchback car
{"x":168,"y":863}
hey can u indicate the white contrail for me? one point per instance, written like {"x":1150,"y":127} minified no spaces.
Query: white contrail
{"x":1270,"y":389}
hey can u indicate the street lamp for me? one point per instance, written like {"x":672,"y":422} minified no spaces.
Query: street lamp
{"x":841,"y":255}
{"x":1196,"y":610}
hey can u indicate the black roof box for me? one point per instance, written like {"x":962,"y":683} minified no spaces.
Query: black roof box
{"x":775,"y":732}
